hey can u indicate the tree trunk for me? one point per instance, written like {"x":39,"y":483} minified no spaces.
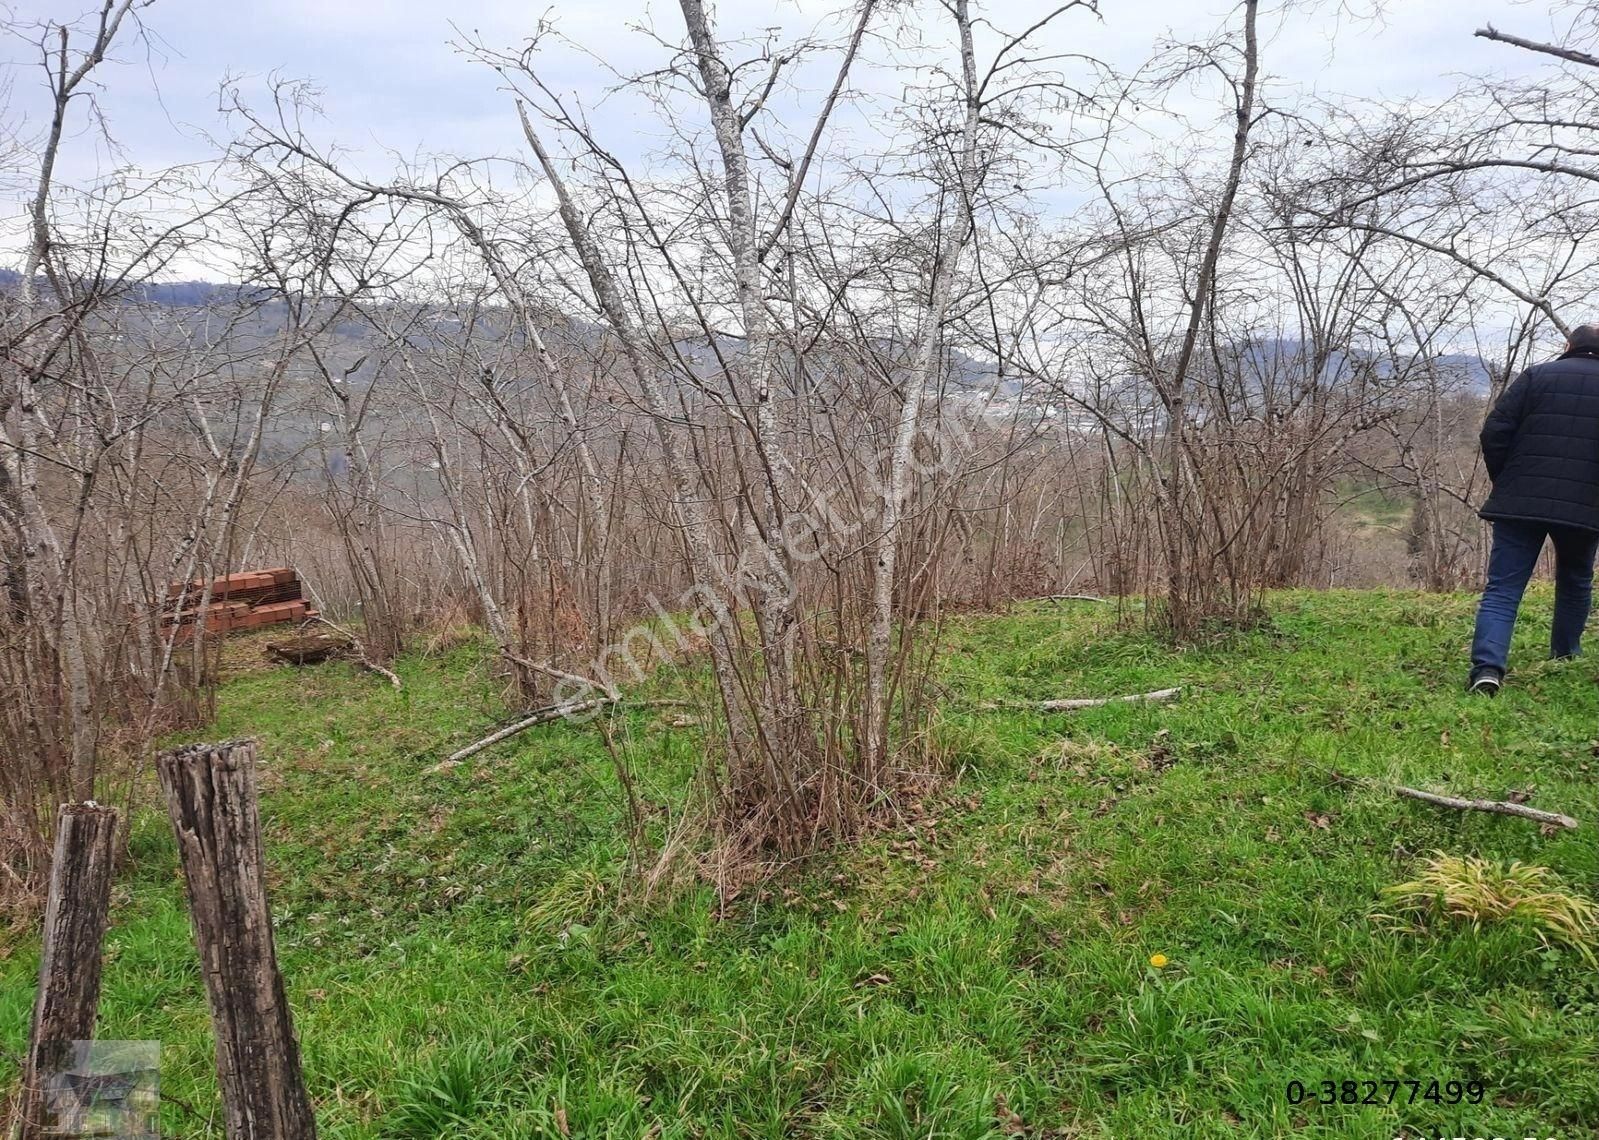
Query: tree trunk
{"x":896,"y":496}
{"x":69,"y":968}
{"x":211,"y":797}
{"x":687,"y":502}
{"x":784,"y":724}
{"x":1187,"y":593}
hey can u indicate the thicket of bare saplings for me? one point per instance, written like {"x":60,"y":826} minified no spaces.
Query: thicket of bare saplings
{"x":824,"y":365}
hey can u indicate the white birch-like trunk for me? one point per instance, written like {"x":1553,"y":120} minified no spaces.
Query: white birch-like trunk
{"x":48,"y":567}
{"x":901,"y":474}
{"x":687,"y":501}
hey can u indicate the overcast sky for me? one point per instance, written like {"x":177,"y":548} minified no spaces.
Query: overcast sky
{"x":391,"y":81}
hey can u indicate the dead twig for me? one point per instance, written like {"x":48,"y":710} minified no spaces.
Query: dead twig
{"x":561,"y":675}
{"x":1156,"y":697}
{"x":360,"y":652}
{"x":1498,"y":807}
{"x":1068,"y":598}
{"x":1460,"y":803}
{"x":539,"y":716}
{"x":1071,"y":704}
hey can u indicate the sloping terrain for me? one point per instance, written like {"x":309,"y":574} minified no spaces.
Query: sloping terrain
{"x":982,"y":967}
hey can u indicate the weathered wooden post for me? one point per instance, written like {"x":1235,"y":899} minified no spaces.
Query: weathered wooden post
{"x":210,"y":790}
{"x":69,"y":967}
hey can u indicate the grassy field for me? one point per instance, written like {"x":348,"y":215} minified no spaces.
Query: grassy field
{"x":981,"y":969}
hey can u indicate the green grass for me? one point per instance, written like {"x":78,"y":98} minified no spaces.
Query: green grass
{"x":1376,"y":505}
{"x":458,"y":968}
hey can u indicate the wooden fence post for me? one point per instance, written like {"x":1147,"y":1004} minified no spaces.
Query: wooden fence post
{"x":69,"y":967}
{"x":210,"y":791}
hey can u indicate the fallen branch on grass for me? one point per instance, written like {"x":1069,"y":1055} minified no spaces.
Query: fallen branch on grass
{"x":541,"y":716}
{"x":562,"y":675}
{"x":1157,"y":697}
{"x":1498,"y":807}
{"x":359,"y":651}
{"x":1068,"y":598}
{"x":1070,"y":704}
{"x":1460,"y":803}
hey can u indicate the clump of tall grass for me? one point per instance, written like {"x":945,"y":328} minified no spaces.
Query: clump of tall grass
{"x":1481,"y":892}
{"x":575,"y":900}
{"x":458,"y":1086}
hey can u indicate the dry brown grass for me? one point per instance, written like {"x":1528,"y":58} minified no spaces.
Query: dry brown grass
{"x":1079,"y":754}
{"x":1480,"y":892}
{"x":448,"y":629}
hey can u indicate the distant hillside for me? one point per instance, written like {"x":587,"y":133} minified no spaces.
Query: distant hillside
{"x":177,"y":294}
{"x":1263,"y":356}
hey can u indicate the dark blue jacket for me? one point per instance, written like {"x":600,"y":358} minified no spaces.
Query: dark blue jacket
{"x":1541,"y":445}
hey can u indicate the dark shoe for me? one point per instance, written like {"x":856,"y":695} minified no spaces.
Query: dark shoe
{"x":1487,"y":681}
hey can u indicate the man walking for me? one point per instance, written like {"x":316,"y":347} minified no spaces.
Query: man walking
{"x":1541,"y":447}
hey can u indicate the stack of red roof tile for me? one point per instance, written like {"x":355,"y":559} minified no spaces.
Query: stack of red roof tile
{"x":247,"y":600}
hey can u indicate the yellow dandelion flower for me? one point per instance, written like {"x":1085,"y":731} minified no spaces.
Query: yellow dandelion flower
{"x":1158,"y":961}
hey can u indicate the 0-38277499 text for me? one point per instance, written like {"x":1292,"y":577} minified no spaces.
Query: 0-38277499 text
{"x":1356,"y":1093}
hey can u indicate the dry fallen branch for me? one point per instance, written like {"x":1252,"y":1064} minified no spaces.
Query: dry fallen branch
{"x":360,"y":654}
{"x":1498,"y":807}
{"x":1156,"y":697}
{"x":1071,"y":704}
{"x":372,"y":666}
{"x":561,"y":675}
{"x":541,"y":716}
{"x":1462,"y":803}
{"x":544,"y":716}
{"x":1068,"y":598}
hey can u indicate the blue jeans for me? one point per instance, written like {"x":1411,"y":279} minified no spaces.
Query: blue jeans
{"x":1516,"y":547}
